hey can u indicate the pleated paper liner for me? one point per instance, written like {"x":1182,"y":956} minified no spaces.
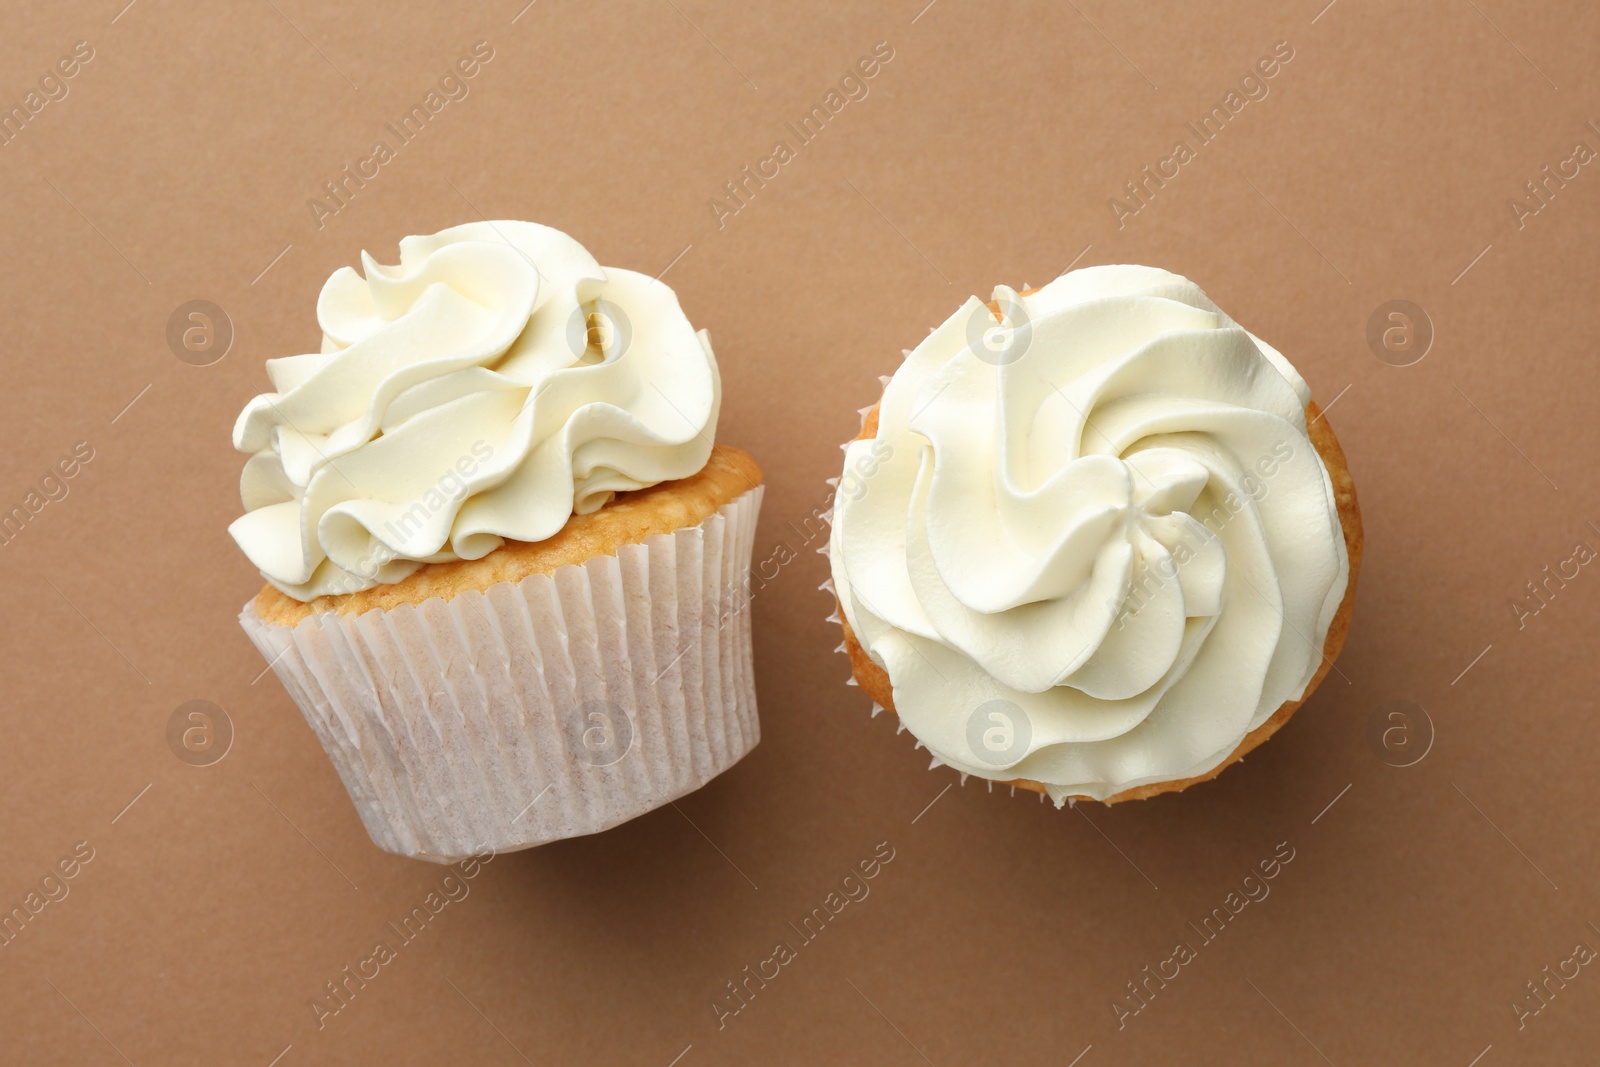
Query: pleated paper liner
{"x":552,"y":707}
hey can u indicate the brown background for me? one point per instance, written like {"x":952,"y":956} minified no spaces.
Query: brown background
{"x":218,"y":905}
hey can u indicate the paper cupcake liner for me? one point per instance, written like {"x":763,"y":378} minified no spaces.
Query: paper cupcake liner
{"x":552,"y":707}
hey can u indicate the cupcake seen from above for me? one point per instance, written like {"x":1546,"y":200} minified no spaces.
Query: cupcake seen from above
{"x":506,"y":565}
{"x":1095,"y":540}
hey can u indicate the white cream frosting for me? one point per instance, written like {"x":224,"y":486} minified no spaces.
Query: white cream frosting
{"x":493,"y":384}
{"x":1092,"y":545}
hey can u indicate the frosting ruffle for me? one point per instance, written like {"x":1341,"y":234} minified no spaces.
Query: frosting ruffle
{"x":495,"y":382}
{"x":1091,"y":543}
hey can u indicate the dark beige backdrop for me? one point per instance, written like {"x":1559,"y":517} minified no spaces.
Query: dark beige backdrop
{"x":1437,"y":795}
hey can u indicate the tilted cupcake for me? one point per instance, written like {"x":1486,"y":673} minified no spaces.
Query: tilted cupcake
{"x":1095,"y":540}
{"x":505,"y":563}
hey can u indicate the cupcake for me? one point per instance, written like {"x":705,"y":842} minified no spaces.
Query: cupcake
{"x":505,"y":563}
{"x":1095,"y":540}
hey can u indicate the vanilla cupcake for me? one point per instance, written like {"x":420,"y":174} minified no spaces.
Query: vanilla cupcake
{"x":506,"y":567}
{"x":1096,"y":540}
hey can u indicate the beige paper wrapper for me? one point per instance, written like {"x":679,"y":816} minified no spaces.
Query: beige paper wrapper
{"x":553,"y":707}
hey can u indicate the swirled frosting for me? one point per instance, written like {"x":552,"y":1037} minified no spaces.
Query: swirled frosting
{"x":1091,"y":543}
{"x":494,"y":383}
